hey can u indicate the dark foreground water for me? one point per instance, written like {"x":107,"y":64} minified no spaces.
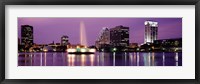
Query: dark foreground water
{"x":100,"y":59}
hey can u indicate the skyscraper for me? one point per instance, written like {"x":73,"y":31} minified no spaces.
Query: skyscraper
{"x":104,"y":38}
{"x":64,"y":40}
{"x":151,"y":31}
{"x":119,"y":36}
{"x":26,"y":35}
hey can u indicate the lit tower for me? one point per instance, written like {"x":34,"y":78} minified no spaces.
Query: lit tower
{"x":64,"y":40}
{"x":27,"y":35}
{"x":151,"y":31}
{"x":104,"y":38}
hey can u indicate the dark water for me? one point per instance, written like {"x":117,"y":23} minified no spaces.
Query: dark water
{"x":100,"y":59}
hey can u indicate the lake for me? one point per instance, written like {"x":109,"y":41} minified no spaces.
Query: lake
{"x":101,"y":59}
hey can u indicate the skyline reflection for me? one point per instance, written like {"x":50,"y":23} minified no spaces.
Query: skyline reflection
{"x":101,"y":59}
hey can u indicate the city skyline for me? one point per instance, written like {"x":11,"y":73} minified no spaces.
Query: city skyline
{"x":47,"y":30}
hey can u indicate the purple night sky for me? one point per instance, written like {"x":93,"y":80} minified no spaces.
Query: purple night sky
{"x":47,"y":30}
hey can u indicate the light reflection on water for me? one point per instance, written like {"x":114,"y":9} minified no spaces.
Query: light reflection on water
{"x":100,"y":59}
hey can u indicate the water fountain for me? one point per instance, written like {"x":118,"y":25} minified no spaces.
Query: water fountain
{"x":83,"y":47}
{"x":83,"y":39}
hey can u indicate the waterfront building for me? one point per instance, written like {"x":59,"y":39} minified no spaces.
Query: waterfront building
{"x":48,"y":49}
{"x":119,"y":36}
{"x":26,"y":35}
{"x":151,"y":31}
{"x":58,"y":44}
{"x":104,"y":38}
{"x":133,"y":45}
{"x":64,"y":40}
{"x":174,"y":44}
{"x":76,"y":46}
{"x":97,"y":44}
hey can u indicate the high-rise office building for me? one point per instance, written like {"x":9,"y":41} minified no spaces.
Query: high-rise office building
{"x":151,"y":31}
{"x":104,"y":38}
{"x":64,"y":40}
{"x":27,"y":35}
{"x":119,"y":36}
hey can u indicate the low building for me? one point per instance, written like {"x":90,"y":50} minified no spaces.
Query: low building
{"x":133,"y":45}
{"x":174,"y":44}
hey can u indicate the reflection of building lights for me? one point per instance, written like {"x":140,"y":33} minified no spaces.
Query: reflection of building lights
{"x":92,"y":59}
{"x":83,"y":50}
{"x":71,"y":50}
{"x":83,"y":59}
{"x":92,"y":50}
{"x":176,"y":57}
{"x":71,"y":59}
{"x":91,"y":55}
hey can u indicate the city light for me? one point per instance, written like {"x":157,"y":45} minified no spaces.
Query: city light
{"x":92,"y":50}
{"x":83,"y":50}
{"x":77,"y":46}
{"x":114,"y":49}
{"x":54,"y":49}
{"x":45,"y":50}
{"x":71,"y":50}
